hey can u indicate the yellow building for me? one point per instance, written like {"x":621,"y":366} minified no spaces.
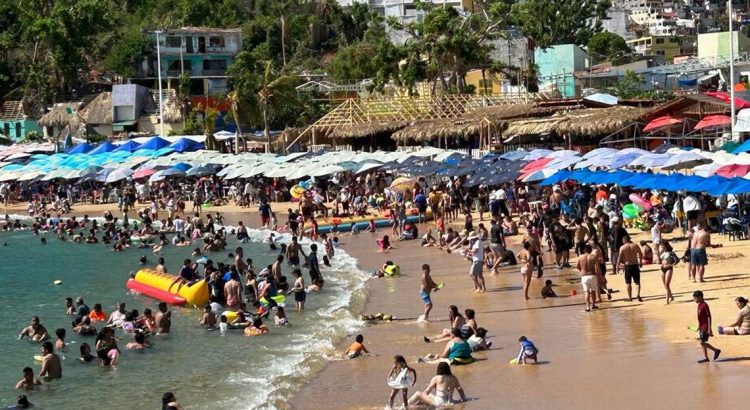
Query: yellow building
{"x":667,"y":46}
{"x":491,"y":84}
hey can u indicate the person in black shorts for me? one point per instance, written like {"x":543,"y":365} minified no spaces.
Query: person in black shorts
{"x":630,"y":258}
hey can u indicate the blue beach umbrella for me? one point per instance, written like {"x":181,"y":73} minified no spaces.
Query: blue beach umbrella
{"x":81,"y":148}
{"x":186,"y":144}
{"x":154,"y":143}
{"x":162,"y":151}
{"x":103,"y":148}
{"x":129,"y":146}
{"x":143,"y":152}
{"x":182,"y":166}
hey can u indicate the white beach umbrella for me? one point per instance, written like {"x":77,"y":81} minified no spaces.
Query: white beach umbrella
{"x":28,"y":176}
{"x":118,"y":174}
{"x":327,"y":170}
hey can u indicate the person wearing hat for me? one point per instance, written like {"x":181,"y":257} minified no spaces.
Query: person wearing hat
{"x":477,"y":263}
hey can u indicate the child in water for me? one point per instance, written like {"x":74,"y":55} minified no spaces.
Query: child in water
{"x":384,"y":244}
{"x":528,"y":351}
{"x":86,"y":355}
{"x":547,"y":291}
{"x":357,"y":348}
{"x":280,"y":318}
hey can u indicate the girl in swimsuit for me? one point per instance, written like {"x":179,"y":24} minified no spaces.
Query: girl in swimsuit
{"x":400,"y":374}
{"x":457,"y":321}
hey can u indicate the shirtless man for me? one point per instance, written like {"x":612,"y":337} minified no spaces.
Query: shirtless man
{"x":698,"y":259}
{"x":524,"y":259}
{"x":292,"y":252}
{"x":601,"y":279}
{"x":233,"y":291}
{"x":588,"y":266}
{"x":51,"y":366}
{"x":35,"y":331}
{"x":239,"y":261}
{"x":163,"y":319}
{"x":630,"y":258}
{"x":276,"y":268}
{"x":426,"y":286}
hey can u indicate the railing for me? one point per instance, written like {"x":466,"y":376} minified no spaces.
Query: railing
{"x":338,"y":147}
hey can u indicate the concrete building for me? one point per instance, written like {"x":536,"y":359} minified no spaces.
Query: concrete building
{"x":557,"y":65}
{"x":666,"y":46}
{"x":514,"y":50}
{"x":716,"y":45}
{"x":204,"y":54}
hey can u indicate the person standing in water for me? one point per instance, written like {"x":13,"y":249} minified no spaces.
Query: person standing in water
{"x":588,"y":266}
{"x":163,"y":319}
{"x":524,"y":258}
{"x":426,"y":286}
{"x":698,"y":259}
{"x":51,"y":365}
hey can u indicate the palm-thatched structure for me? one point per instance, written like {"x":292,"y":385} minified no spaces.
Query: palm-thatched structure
{"x":98,"y":111}
{"x":584,"y":122}
{"x":63,"y":117}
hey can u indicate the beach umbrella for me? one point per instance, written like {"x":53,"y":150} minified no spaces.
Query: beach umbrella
{"x":143,"y":173}
{"x":663,"y":148}
{"x":200,"y":171}
{"x":713,"y":121}
{"x":57,"y":173}
{"x":162,"y":151}
{"x":685,"y":160}
{"x":173,"y":172}
{"x":182,"y":166}
{"x":536,"y":164}
{"x":327,"y":170}
{"x":154,"y":143}
{"x":9,"y":176}
{"x":81,"y":148}
{"x":603,"y":98}
{"x":28,"y":176}
{"x":537,"y":153}
{"x":650,"y":160}
{"x":143,"y":152}
{"x":103,"y":148}
{"x":18,"y":155}
{"x":733,"y":170}
{"x":40,"y":156}
{"x":564,"y":162}
{"x":402,"y":184}
{"x":118,"y":174}
{"x":129,"y":146}
{"x":367,"y":166}
{"x":539,"y":175}
{"x":515,"y":155}
{"x":186,"y":144}
{"x":661,"y":122}
{"x":563,"y":153}
{"x":599,"y":152}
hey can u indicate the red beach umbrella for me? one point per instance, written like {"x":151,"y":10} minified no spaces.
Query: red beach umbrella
{"x":143,"y":173}
{"x":713,"y":121}
{"x":661,"y":122}
{"x":733,"y":170}
{"x":536,"y":165}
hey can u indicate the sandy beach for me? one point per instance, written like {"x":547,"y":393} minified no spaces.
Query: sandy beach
{"x":628,"y":354}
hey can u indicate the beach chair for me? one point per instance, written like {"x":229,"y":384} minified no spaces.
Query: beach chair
{"x":734,"y":229}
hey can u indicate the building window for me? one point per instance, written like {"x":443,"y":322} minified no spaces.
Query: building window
{"x":659,"y":52}
{"x":216,"y":41}
{"x":659,"y":41}
{"x":674,"y":40}
{"x":174,"y":42}
{"x":214,"y":64}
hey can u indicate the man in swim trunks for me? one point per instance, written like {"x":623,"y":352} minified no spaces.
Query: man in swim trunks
{"x":426,"y":286}
{"x":630,"y":258}
{"x":312,"y":263}
{"x":239,"y":260}
{"x":704,"y":327}
{"x":698,"y":259}
{"x":616,"y":236}
{"x":292,"y":252}
{"x":588,"y":266}
{"x":497,"y":245}
{"x":233,"y":291}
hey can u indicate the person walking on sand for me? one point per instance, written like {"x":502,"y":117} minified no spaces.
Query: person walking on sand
{"x":399,"y":379}
{"x":698,"y":259}
{"x":477,"y":263}
{"x":426,"y":286}
{"x":588,"y":266}
{"x":524,"y":258}
{"x":630,"y":258}
{"x":668,"y":259}
{"x":704,"y":327}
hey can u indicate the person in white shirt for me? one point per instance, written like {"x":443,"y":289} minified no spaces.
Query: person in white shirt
{"x":179,"y":225}
{"x":477,"y":263}
{"x":692,"y":208}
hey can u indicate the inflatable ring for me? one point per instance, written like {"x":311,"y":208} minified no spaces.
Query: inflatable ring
{"x":336,"y":221}
{"x":640,"y":202}
{"x":631,"y":211}
{"x":296,"y":192}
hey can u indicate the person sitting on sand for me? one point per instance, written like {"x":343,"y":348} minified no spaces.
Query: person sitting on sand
{"x":547,"y":291}
{"x":371,"y":226}
{"x":140,"y":342}
{"x":509,"y":227}
{"x":35,"y":331}
{"x":648,"y":254}
{"x":384,"y":244}
{"x":428,"y":239}
{"x":741,"y":325}
{"x":439,"y":391}
{"x":357,"y":348}
{"x":28,"y":382}
{"x":457,"y":351}
{"x":457,"y":322}
{"x":528,"y":351}
{"x":478,"y":342}
{"x":208,"y":320}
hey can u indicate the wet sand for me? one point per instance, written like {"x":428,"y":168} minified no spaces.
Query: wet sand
{"x":625,"y":355}
{"x":628,"y":354}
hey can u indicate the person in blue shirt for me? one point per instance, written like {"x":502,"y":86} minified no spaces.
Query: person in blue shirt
{"x":528,"y":351}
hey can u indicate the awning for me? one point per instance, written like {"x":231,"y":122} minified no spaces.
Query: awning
{"x":661,"y":122}
{"x":120,"y":126}
{"x":707,"y":77}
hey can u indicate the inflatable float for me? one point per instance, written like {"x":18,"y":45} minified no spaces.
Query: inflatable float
{"x":157,"y":285}
{"x":325,"y":225}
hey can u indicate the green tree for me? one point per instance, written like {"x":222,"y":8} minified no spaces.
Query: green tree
{"x":354,"y":62}
{"x":630,"y":86}
{"x":607,"y":46}
{"x":551,"y":22}
{"x":128,"y":52}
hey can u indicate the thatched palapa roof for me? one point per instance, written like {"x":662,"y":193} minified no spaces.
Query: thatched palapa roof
{"x":60,"y":115}
{"x":373,"y":129}
{"x":98,"y":111}
{"x":592,"y":121}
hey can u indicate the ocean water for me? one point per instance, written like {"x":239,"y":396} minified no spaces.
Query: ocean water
{"x":204,"y":369}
